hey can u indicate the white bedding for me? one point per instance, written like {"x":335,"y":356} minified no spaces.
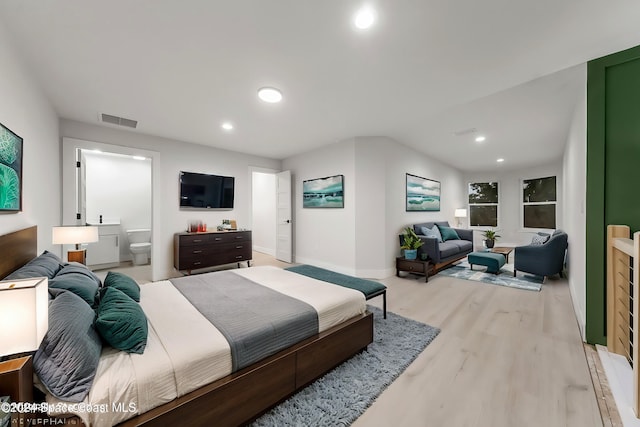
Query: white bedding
{"x":185,"y":351}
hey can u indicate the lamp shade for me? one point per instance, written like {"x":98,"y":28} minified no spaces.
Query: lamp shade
{"x":72,"y":235}
{"x":460,"y":213}
{"x":24,"y":314}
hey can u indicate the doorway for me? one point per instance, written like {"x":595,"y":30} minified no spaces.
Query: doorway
{"x":263,"y":209}
{"x":99,"y":185}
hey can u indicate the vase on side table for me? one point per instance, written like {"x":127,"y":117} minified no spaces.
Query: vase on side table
{"x":411,"y":253}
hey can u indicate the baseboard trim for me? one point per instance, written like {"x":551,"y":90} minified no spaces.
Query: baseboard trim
{"x":263,"y":250}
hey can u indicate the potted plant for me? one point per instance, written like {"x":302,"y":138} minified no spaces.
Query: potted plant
{"x":490,"y":237}
{"x":411,"y":243}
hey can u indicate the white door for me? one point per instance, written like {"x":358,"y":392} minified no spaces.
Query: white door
{"x":283,"y":216}
{"x":81,"y":180}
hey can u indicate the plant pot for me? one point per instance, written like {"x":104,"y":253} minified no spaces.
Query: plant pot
{"x":490,"y":243}
{"x":410,"y":253}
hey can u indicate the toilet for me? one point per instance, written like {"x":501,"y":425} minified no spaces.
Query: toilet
{"x":140,"y":245}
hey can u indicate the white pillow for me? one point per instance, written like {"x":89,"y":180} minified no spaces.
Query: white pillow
{"x":539,"y":239}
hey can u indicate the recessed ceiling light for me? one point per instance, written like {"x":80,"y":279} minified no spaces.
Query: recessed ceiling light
{"x":500,"y":160}
{"x":480,"y":138}
{"x":227,"y":126}
{"x":364,"y":18}
{"x":270,"y":94}
{"x":139,"y":158}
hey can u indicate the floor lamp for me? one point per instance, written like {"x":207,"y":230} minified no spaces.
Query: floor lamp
{"x":460,"y":213}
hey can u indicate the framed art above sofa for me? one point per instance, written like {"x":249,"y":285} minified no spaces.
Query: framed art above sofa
{"x":422,"y":194}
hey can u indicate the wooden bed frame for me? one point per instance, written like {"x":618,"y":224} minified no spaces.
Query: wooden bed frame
{"x":244,"y":395}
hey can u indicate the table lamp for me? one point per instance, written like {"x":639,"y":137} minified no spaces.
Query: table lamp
{"x":460,"y":213}
{"x":24,"y":316}
{"x":75,"y":235}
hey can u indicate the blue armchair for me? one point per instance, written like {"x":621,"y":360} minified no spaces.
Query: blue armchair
{"x":543,"y":260}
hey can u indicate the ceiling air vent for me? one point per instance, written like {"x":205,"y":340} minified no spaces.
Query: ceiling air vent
{"x":464,"y":132}
{"x":119,"y":121}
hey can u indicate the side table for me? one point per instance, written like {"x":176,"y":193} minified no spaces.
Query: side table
{"x":416,"y":266}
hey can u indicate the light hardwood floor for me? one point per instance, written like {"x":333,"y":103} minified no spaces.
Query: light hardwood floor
{"x":505,"y":357}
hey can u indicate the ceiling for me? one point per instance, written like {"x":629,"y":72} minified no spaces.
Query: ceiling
{"x":511,"y":69}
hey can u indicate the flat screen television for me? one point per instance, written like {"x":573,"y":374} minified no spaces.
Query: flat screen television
{"x":203,"y":191}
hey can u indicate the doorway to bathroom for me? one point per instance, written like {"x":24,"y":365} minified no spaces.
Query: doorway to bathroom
{"x":111,"y":188}
{"x":114,"y":194}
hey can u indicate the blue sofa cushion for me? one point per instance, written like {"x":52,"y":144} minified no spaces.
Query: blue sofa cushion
{"x":448,"y":248}
{"x":463,"y":245}
{"x":432,"y":232}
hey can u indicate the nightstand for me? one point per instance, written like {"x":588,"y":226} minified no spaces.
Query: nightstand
{"x":416,"y":266}
{"x":16,"y":381}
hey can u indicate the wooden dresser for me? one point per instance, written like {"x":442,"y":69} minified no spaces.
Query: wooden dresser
{"x":192,"y":251}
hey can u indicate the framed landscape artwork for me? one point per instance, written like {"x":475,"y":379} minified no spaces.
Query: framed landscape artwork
{"x":10,"y":171}
{"x":323,"y":192}
{"x":422,"y":194}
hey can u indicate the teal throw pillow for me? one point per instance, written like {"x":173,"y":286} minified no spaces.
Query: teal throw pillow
{"x":448,"y":233}
{"x":121,"y":322}
{"x":123,"y":283}
{"x":433,"y":232}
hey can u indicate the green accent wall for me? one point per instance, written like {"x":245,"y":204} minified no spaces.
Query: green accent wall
{"x":613,"y":169}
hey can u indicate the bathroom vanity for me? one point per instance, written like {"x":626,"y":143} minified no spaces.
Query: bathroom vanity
{"x":192,"y":251}
{"x":105,"y":253}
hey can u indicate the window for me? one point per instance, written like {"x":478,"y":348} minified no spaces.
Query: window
{"x":483,"y":204}
{"x":539,"y":203}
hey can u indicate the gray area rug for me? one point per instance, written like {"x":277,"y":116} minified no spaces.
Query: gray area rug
{"x":342,"y":395}
{"x":525,"y":281}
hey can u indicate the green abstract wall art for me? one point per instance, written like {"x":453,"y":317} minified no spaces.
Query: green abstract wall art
{"x":10,"y":171}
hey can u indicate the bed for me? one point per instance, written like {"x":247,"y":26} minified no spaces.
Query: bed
{"x":187,"y":374}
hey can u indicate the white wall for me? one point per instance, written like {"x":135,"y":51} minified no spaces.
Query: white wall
{"x":362,"y":238}
{"x":575,"y":177}
{"x":26,"y":111}
{"x":176,"y":156}
{"x":510,"y":200}
{"x":401,"y":160}
{"x":118,"y":188}
{"x":264,"y":212}
{"x":325,"y":237}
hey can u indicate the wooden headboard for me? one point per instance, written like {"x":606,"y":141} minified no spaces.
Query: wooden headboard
{"x":17,"y":249}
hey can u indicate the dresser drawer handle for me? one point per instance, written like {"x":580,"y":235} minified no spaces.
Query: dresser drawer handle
{"x":239,"y":247}
{"x":239,"y":237}
{"x":217,"y":239}
{"x":197,"y":252}
{"x":239,"y":257}
{"x":197,"y":263}
{"x":197,"y":240}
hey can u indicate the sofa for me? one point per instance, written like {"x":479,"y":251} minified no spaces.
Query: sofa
{"x":542,"y":259}
{"x":448,"y":251}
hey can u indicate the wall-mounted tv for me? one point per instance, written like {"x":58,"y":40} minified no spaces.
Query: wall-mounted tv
{"x":203,"y":191}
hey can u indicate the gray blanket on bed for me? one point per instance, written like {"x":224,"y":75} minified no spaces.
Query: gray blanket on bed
{"x":257,"y":321}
